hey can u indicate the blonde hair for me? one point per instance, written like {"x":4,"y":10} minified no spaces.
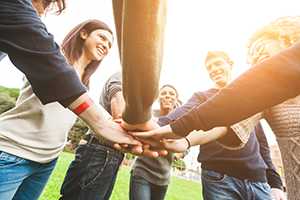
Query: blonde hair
{"x":286,"y":30}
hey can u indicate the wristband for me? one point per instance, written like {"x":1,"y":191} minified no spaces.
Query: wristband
{"x":188,"y":142}
{"x":83,"y":106}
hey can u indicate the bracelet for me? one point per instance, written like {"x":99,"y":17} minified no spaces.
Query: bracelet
{"x":83,"y":106}
{"x":188,"y":142}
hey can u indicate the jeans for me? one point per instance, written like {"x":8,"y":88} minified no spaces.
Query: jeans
{"x":22,"y":179}
{"x":92,"y":175}
{"x":217,"y":186}
{"x":141,"y":189}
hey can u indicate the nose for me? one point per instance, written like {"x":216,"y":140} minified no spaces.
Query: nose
{"x":214,"y":67}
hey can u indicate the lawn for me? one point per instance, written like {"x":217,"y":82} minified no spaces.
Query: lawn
{"x":179,"y":189}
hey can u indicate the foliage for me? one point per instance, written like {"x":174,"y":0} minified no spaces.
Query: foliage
{"x":6,"y":100}
{"x":12,"y":92}
{"x":179,"y":164}
{"x":77,"y":133}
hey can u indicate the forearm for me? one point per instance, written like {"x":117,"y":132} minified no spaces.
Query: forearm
{"x":117,"y":105}
{"x":267,"y":84}
{"x":141,"y":56}
{"x":203,"y":137}
{"x":94,"y":116}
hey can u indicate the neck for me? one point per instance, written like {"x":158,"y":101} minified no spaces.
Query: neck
{"x":163,"y":112}
{"x":81,"y":64}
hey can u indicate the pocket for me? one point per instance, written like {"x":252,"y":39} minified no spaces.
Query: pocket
{"x":212,"y":176}
{"x":9,"y":160}
{"x":94,"y":168}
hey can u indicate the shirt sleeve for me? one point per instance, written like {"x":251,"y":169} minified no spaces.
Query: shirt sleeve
{"x":142,"y":41}
{"x":264,"y":85}
{"x":32,"y":49}
{"x":113,"y":85}
{"x":274,"y":179}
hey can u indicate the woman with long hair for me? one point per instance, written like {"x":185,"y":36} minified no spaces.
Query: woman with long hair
{"x":32,"y":134}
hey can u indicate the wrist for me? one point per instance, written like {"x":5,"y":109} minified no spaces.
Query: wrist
{"x":188,"y":142}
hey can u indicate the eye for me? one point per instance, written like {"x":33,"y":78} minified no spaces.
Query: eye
{"x":163,"y":93}
{"x":101,"y":37}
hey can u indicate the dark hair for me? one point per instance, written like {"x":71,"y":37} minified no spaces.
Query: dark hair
{"x":72,"y":45}
{"x":170,"y":86}
{"x":212,"y":54}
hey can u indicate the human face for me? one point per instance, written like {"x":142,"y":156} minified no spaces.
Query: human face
{"x":97,"y":44}
{"x":219,"y":70}
{"x":264,"y":48}
{"x":167,"y":98}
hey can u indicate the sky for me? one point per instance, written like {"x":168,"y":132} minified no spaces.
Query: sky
{"x":193,"y":28}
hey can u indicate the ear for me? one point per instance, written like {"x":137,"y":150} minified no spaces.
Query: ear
{"x":83,"y":34}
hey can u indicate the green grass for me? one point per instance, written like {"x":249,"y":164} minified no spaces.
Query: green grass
{"x":179,"y":189}
{"x":12,"y":92}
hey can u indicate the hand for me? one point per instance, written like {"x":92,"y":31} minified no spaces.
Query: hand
{"x":114,"y":133}
{"x":164,"y":132}
{"x":176,"y":146}
{"x":277,"y":194}
{"x":141,"y":150}
{"x":149,"y":125}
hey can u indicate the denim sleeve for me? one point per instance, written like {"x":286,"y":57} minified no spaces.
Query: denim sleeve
{"x":32,"y":49}
{"x":264,"y":85}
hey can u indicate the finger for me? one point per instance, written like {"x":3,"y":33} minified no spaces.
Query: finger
{"x":150,"y":153}
{"x":117,"y":146}
{"x":132,"y":141}
{"x":151,"y":142}
{"x":145,"y":134}
{"x":118,"y":121}
{"x":137,"y":150}
{"x":124,"y":145}
{"x":163,"y":152}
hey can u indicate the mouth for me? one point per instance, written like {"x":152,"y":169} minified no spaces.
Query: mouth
{"x":217,"y":74}
{"x":101,"y":50}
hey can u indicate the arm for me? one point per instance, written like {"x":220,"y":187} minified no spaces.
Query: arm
{"x":141,"y":46}
{"x":117,"y":105}
{"x":268,"y":83}
{"x":195,"y":138}
{"x":36,"y":54}
{"x":273,"y":177}
{"x":99,"y":121}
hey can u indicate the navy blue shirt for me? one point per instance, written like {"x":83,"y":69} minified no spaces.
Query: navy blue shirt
{"x":246,"y":163}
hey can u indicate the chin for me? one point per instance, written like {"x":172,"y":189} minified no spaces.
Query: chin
{"x":221,"y":83}
{"x":98,"y":58}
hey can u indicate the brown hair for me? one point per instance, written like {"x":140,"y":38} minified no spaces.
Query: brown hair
{"x":170,"y":86}
{"x":72,"y":45}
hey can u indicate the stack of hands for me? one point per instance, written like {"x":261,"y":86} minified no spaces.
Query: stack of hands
{"x":147,"y":139}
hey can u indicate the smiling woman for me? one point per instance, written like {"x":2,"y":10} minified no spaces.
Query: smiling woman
{"x":30,"y":144}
